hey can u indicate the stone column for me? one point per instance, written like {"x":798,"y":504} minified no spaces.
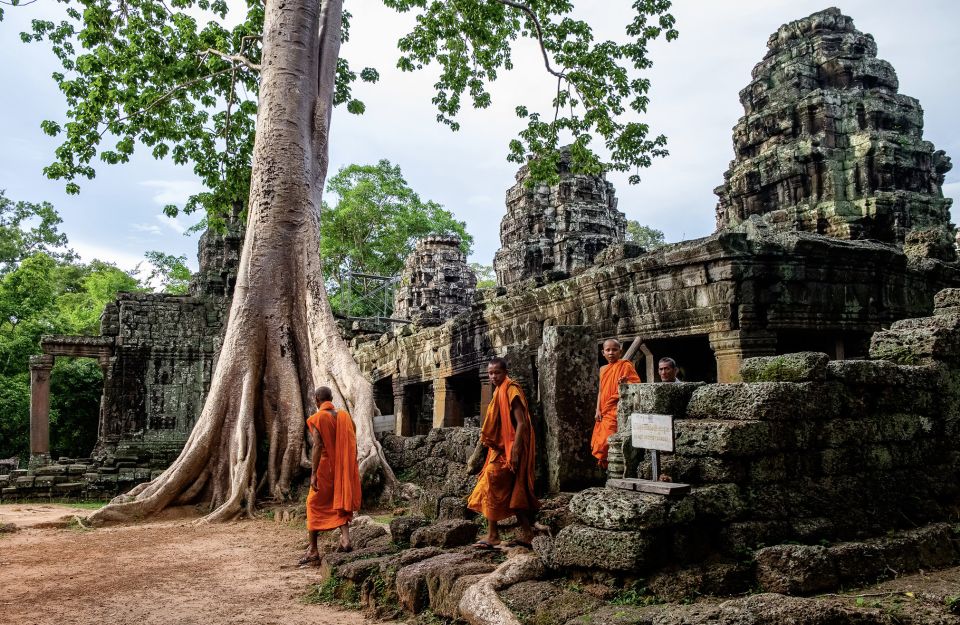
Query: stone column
{"x":405,"y":425}
{"x":40,"y":367}
{"x":446,"y":409}
{"x":730,"y":349}
{"x":568,"y":379}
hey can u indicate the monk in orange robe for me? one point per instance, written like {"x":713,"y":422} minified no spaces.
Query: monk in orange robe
{"x":612,"y":374}
{"x":505,"y":486}
{"x":334,"y":477}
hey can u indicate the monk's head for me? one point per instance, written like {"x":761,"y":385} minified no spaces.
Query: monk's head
{"x":497,"y":371}
{"x":322,"y":394}
{"x":612,"y":350}
{"x":668,"y":370}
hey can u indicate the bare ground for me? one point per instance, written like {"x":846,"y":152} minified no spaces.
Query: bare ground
{"x":155,"y":573}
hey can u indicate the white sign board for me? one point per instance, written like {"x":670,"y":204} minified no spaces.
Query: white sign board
{"x":652,"y":431}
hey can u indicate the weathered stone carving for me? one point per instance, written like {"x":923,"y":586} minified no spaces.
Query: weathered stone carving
{"x":436,"y":283}
{"x":558,"y":228}
{"x":219,"y":253}
{"x":827,"y":145}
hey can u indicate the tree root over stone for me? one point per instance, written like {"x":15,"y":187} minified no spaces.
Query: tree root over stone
{"x":480,"y":604}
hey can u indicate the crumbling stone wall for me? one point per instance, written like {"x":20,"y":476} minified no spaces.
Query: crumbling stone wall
{"x":805,"y":450}
{"x":827,"y":145}
{"x":556,"y":228}
{"x":158,"y":378}
{"x":436,"y":282}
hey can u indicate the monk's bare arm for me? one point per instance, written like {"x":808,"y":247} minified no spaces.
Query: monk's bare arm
{"x":317,"y":444}
{"x":522,"y":432}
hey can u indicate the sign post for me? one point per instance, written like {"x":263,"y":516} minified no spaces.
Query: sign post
{"x":655,"y":433}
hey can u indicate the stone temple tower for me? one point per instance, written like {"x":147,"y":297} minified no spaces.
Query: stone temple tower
{"x":827,"y":145}
{"x":556,"y":228}
{"x":436,"y":283}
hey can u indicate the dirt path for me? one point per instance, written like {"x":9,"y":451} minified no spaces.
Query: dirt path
{"x":170,"y":572}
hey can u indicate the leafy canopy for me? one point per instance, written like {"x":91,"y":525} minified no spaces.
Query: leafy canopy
{"x":176,"y":79}
{"x":644,"y":236}
{"x":373,"y":226}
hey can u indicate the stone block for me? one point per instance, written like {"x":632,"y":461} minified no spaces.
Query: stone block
{"x":330,"y":563}
{"x":43,"y":481}
{"x":364,"y":534}
{"x":615,"y":509}
{"x":947,"y":302}
{"x":862,"y":371}
{"x":411,"y":584}
{"x":737,"y":438}
{"x":765,"y":401}
{"x":723,"y":502}
{"x":797,"y":367}
{"x":50,"y":469}
{"x":543,"y":602}
{"x":26,"y":481}
{"x":671,"y":399}
{"x":452,"y":533}
{"x":77,"y":469}
{"x":795,"y":569}
{"x":401,"y":528}
{"x":919,"y":341}
{"x":567,"y":370}
{"x":585,"y":547}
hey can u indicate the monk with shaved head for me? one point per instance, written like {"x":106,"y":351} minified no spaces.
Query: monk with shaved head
{"x":334,"y":476}
{"x":612,"y":375}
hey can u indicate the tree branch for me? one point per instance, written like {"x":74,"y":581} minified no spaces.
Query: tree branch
{"x":17,"y":4}
{"x":536,"y":22}
{"x":236,"y":58}
{"x":165,"y":96}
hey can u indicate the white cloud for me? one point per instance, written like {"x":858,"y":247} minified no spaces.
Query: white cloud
{"x":173,"y":191}
{"x":171,"y":222}
{"x":146,"y":228}
{"x":95,"y":251}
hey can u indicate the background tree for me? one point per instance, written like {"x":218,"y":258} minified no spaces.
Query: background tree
{"x":373,"y":226}
{"x":486,"y":276}
{"x":169,"y":272}
{"x":141,"y":72}
{"x":43,"y":290}
{"x":644,"y":236}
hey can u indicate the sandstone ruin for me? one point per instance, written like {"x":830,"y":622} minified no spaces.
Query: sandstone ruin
{"x":833,"y":241}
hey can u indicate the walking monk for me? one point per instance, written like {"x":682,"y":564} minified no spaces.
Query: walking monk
{"x":505,"y":487}
{"x":612,"y":374}
{"x":334,"y":475}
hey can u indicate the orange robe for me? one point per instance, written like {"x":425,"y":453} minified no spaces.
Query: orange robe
{"x":609,"y":398}
{"x":500,"y":492}
{"x":338,"y":476}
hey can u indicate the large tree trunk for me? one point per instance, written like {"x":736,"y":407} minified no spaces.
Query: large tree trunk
{"x":281,"y":339}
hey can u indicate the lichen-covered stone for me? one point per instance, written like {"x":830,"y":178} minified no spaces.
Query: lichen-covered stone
{"x":585,"y":547}
{"x":919,"y":341}
{"x":559,"y":228}
{"x":451,"y":533}
{"x":796,"y":367}
{"x":827,"y":145}
{"x":616,"y":509}
{"x":402,"y":527}
{"x":795,"y":569}
{"x":542,"y":603}
{"x":436,"y":282}
{"x":765,"y":401}
{"x":431,"y":581}
{"x":671,"y":399}
{"x":862,"y":371}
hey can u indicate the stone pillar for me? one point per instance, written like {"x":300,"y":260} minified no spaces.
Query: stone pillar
{"x":405,"y":425}
{"x":486,"y":393}
{"x":40,"y":367}
{"x":730,"y":348}
{"x":446,"y":408}
{"x":568,"y":379}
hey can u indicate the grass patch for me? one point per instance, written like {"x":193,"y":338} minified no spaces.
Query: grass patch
{"x":85,"y":505}
{"x":635,"y":594}
{"x":334,"y":591}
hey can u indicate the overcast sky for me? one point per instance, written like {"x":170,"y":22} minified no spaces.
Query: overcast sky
{"x":696,"y":80}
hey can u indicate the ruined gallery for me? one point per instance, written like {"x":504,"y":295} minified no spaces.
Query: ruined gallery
{"x":817,"y":332}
